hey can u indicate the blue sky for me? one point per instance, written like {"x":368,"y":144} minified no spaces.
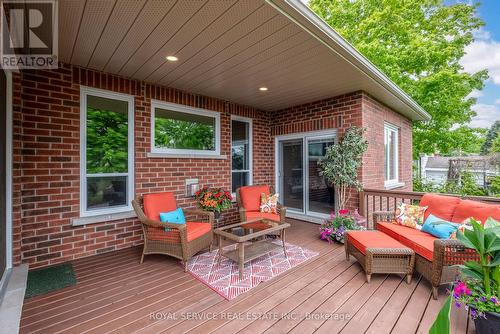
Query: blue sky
{"x":484,"y":53}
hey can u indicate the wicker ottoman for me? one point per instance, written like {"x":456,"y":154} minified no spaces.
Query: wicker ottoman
{"x":378,"y":253}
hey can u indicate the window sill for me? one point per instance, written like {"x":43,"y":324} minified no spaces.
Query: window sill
{"x":187,"y":156}
{"x":393,"y":185}
{"x":102,"y":218}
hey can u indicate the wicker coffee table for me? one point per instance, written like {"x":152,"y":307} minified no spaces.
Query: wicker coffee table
{"x":250,"y":237}
{"x":378,"y":253}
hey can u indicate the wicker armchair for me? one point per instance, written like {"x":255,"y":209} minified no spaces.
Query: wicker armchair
{"x":181,"y":241}
{"x":447,"y":255}
{"x":253,"y":212}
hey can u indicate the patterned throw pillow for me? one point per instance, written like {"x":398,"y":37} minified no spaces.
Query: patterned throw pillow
{"x":269,"y":203}
{"x":410,"y":215}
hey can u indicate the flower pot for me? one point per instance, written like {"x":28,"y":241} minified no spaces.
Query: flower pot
{"x":490,"y":325}
{"x":217,"y":214}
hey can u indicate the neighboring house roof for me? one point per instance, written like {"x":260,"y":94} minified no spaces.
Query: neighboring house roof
{"x":225,"y":49}
{"x":476,"y":162}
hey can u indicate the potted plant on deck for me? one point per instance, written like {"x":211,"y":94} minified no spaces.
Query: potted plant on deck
{"x":214,"y":199}
{"x":340,"y":168}
{"x":478,"y":289}
{"x":333,"y":229}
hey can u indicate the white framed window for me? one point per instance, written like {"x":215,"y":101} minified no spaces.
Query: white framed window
{"x":106,"y":152}
{"x":241,"y":152}
{"x":181,"y":130}
{"x":391,"y":154}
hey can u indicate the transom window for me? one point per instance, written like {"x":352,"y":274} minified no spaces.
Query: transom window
{"x":107,"y":152}
{"x":391,"y":154}
{"x":241,"y":152}
{"x":178,"y":129}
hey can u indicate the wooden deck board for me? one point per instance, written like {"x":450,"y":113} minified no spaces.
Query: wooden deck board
{"x":116,"y":294}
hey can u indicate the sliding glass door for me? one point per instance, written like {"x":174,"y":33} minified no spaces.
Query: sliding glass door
{"x":320,"y":197}
{"x":302,"y":189}
{"x":292,"y":174}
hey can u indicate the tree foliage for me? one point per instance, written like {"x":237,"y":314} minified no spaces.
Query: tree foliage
{"x":107,"y":141}
{"x":492,"y":142}
{"x":418,"y":44}
{"x":177,"y":134}
{"x":341,"y":163}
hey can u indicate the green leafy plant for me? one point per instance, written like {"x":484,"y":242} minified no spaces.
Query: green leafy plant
{"x":341,"y":163}
{"x":486,"y":242}
{"x":479,"y":286}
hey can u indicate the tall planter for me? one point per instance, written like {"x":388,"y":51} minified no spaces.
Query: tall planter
{"x":490,"y":325}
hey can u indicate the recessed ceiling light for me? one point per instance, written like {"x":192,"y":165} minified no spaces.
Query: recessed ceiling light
{"x":172,"y":58}
{"x":263,"y":89}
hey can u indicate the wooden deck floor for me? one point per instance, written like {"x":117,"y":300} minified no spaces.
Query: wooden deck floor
{"x":115,"y":294}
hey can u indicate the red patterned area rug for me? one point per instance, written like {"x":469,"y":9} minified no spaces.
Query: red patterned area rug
{"x":224,"y":279}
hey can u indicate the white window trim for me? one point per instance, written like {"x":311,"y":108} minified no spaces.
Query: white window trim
{"x":250,"y":149}
{"x":392,"y":183}
{"x":84,"y":92}
{"x":187,"y":110}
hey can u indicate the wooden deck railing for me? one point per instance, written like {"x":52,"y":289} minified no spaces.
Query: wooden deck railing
{"x":371,"y":200}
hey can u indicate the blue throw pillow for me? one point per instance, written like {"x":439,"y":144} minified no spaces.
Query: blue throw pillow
{"x":439,"y":228}
{"x":173,"y":217}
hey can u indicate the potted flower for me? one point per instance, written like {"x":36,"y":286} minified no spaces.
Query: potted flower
{"x":214,"y":199}
{"x":478,"y":289}
{"x":334,"y":228}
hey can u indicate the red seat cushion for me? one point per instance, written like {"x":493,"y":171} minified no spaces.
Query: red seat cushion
{"x":478,"y":210}
{"x":194,"y":231}
{"x":263,"y":215}
{"x":250,"y":196}
{"x":395,"y":230}
{"x":372,"y":239}
{"x":440,"y":206}
{"x":156,"y":203}
{"x":422,"y":243}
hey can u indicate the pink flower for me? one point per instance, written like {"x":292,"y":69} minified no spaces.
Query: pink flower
{"x":461,"y":288}
{"x":343,"y":212}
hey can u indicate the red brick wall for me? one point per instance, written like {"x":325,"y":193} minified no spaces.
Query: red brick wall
{"x":46,"y":155}
{"x":354,"y":109}
{"x":47,"y":162}
{"x":375,"y":114}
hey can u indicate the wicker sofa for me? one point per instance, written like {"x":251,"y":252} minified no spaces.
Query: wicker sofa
{"x":437,"y":259}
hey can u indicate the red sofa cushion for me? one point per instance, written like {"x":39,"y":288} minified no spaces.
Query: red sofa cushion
{"x":478,"y":210}
{"x":156,"y":203}
{"x":422,"y":243}
{"x":395,"y":230}
{"x":439,"y":205}
{"x":194,"y":231}
{"x":250,"y":196}
{"x":372,"y":239}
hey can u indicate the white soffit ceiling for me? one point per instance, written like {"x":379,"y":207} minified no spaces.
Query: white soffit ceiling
{"x":226,"y":49}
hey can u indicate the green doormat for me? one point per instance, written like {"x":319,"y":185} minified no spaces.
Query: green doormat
{"x":49,"y":279}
